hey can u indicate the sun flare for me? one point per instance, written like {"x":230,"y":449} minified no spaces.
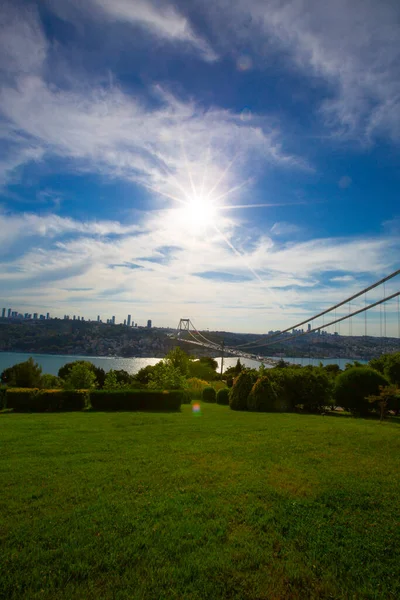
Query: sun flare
{"x":199,"y":212}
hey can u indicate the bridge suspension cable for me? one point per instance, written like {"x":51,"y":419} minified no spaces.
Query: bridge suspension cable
{"x":328,"y":310}
{"x":349,"y":316}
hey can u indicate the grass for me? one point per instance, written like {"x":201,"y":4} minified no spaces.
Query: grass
{"x":223,"y":505}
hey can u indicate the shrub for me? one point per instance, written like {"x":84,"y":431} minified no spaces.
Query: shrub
{"x":240,"y":391}
{"x":263,"y":396}
{"x":310,"y":387}
{"x":223,"y":396}
{"x":81,"y":376}
{"x":165,"y":376}
{"x":34,"y":400}
{"x":136,"y":399}
{"x":209,"y":394}
{"x":354,"y":385}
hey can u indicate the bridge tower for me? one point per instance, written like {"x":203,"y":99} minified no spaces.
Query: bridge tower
{"x":184,"y":325}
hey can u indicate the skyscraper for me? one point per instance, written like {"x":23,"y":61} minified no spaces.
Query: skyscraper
{"x":98,"y":318}
{"x":129,"y":321}
{"x":47,"y":315}
{"x":309,"y":327}
{"x":3,"y":313}
{"x":35,"y":315}
{"x":9,"y":313}
{"x":113,"y":320}
{"x":149,"y":324}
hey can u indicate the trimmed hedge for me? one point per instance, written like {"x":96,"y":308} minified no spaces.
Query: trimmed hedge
{"x":34,"y":400}
{"x":110,"y":400}
{"x":223,"y":396}
{"x":2,"y":397}
{"x":209,"y":395}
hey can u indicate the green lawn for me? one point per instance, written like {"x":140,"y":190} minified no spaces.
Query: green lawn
{"x":223,"y":505}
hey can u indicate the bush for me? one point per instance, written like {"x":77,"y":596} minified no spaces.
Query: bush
{"x":240,"y":391}
{"x":354,"y":385}
{"x":310,"y":387}
{"x":137,"y":399}
{"x":209,"y":394}
{"x":99,"y":373}
{"x":223,"y":396}
{"x":34,"y":400}
{"x":195,"y":387}
{"x":263,"y":397}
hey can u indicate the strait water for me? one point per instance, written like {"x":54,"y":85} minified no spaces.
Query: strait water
{"x":50,"y":363}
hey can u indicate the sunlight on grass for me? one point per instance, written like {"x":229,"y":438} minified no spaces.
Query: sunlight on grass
{"x":229,"y":505}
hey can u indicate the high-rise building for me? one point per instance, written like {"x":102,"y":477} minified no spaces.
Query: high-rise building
{"x":125,"y":322}
{"x":3,"y":313}
{"x":113,"y":320}
{"x":9,"y":313}
{"x":98,"y":318}
{"x":47,"y":315}
{"x":149,"y":324}
{"x":309,"y":327}
{"x":35,"y":315}
{"x":129,"y":321}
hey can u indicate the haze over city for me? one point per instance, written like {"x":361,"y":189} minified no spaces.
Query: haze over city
{"x":232,"y":162}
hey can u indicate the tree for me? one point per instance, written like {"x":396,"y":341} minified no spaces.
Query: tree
{"x":387,"y":399}
{"x":80,"y":377}
{"x":201,"y":370}
{"x":27,"y":374}
{"x":234,"y":371}
{"x":262,"y":397}
{"x":210,"y":362}
{"x":99,"y":373}
{"x":392,"y":368}
{"x":354,"y":385}
{"x":50,"y":382}
{"x":164,"y":376}
{"x":118,"y":379}
{"x":143,"y":375}
{"x":241,"y":389}
{"x":209,"y":394}
{"x":179,"y":360}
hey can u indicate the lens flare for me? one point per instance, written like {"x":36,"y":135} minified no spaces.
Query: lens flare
{"x":196,"y":409}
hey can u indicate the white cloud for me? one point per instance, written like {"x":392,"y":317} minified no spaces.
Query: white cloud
{"x":105,"y":267}
{"x":343,"y":278}
{"x":163,"y":20}
{"x":352,"y":45}
{"x":284,"y":228}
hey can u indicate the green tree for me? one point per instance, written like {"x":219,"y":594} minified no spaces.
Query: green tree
{"x":392,"y":368}
{"x":118,"y":379}
{"x":80,"y":377}
{"x":234,"y":371}
{"x":99,"y":373}
{"x":179,"y":360}
{"x":50,"y":382}
{"x":209,"y":394}
{"x":165,"y":376}
{"x":27,"y":374}
{"x":143,"y":375}
{"x":210,"y":362}
{"x":354,"y":385}
{"x":201,"y":370}
{"x":241,"y":389}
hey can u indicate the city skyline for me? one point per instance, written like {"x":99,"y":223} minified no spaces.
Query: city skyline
{"x":234,"y":162}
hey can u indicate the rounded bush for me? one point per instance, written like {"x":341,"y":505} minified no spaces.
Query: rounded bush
{"x":354,"y":385}
{"x":209,"y":394}
{"x":223,"y":396}
{"x":240,"y":391}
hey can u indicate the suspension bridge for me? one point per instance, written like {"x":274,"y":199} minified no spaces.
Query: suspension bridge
{"x":375,"y":307}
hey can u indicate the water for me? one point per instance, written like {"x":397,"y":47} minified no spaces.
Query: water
{"x":51,"y":363}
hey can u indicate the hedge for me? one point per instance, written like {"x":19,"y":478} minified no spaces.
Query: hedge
{"x":223,"y":396}
{"x":2,"y":397}
{"x":209,"y":394}
{"x":137,"y":399}
{"x":34,"y":400}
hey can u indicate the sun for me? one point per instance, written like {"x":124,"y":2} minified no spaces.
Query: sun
{"x":199,"y":213}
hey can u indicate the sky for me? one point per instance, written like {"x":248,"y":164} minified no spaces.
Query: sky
{"x":235,"y":162}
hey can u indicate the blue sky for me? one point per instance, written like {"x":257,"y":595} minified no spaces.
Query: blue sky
{"x":235,"y":162}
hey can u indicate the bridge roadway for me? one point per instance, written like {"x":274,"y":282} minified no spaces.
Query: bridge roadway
{"x":239,"y":353}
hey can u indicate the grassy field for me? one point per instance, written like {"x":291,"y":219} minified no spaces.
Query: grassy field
{"x":223,"y":505}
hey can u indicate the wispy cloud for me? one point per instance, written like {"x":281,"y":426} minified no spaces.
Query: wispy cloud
{"x":80,"y":257}
{"x":353,"y":46}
